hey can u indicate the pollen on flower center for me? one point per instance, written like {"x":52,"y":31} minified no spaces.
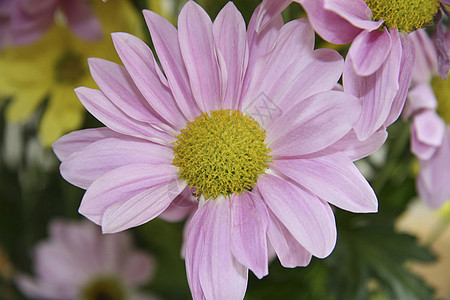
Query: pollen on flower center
{"x":221,"y":153}
{"x":441,"y":89}
{"x":405,"y":15}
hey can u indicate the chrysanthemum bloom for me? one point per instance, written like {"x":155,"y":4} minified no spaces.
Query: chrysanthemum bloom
{"x":52,"y":67}
{"x":379,"y":63}
{"x":429,"y":106}
{"x":78,"y":262}
{"x":25,"y":21}
{"x":246,"y":123}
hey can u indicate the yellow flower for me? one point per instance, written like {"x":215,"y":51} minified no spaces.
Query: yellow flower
{"x":56,"y":64}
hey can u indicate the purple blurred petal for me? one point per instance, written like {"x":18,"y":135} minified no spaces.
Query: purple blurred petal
{"x":420,"y":97}
{"x":82,"y":19}
{"x":442,"y":47}
{"x":268,"y":10}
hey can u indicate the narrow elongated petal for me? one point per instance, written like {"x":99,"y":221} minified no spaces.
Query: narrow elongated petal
{"x":82,"y":19}
{"x":249,"y":224}
{"x":307,"y":218}
{"x":85,"y":166}
{"x":229,"y":29}
{"x":404,"y":79}
{"x":260,"y":43}
{"x":140,"y":64}
{"x":377,"y":91}
{"x":118,"y":86}
{"x":313,"y":124}
{"x":333,"y":178}
{"x":123,"y":184}
{"x":138,"y":210}
{"x":208,"y":252}
{"x":110,"y":115}
{"x":369,"y":51}
{"x":78,"y":140}
{"x":165,"y":39}
{"x":289,"y":251}
{"x":198,"y":49}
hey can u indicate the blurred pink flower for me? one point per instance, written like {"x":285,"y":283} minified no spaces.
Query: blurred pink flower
{"x":379,"y":62}
{"x":79,"y":262}
{"x":246,"y":122}
{"x":24,"y":21}
{"x":430,"y":139}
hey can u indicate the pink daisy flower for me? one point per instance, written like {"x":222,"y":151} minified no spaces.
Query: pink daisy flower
{"x":379,"y":62}
{"x":428,"y":106}
{"x":245,"y":126}
{"x":78,"y":262}
{"x":24,"y":21}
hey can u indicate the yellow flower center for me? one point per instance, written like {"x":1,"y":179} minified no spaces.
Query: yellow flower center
{"x":221,"y":153}
{"x":70,"y":68}
{"x":103,"y":288}
{"x":405,"y":15}
{"x":441,"y":89}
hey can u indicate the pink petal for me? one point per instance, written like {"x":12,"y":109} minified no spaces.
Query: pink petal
{"x":333,"y":178}
{"x":329,"y":25}
{"x":82,"y":20}
{"x":123,"y":184}
{"x":249,"y":224}
{"x":85,"y":166}
{"x":165,"y":39}
{"x":377,"y":91}
{"x":369,"y":51}
{"x":420,"y":97}
{"x":210,"y":265}
{"x":110,"y":115}
{"x":197,"y":45}
{"x":430,"y":127}
{"x":425,"y":63}
{"x":137,"y":210}
{"x":434,"y":176}
{"x":117,"y":85}
{"x":231,"y":40}
{"x":78,"y":140}
{"x":140,"y":64}
{"x":181,"y":207}
{"x":313,"y":124}
{"x":355,"y":11}
{"x":307,"y":218}
{"x":404,"y":79}
{"x":356,"y":149}
{"x":290,"y":253}
{"x":41,"y":289}
{"x":268,"y":10}
{"x":420,"y":149}
{"x":260,"y":43}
